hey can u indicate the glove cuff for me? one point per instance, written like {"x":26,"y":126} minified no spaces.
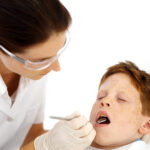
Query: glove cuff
{"x":41,"y":144}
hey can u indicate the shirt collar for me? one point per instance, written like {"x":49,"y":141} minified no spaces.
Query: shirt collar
{"x":24,"y":80}
{"x":5,"y":106}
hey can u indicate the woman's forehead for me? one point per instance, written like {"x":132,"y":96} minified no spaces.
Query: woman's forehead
{"x":46,"y":49}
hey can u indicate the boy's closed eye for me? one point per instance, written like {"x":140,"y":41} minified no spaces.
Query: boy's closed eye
{"x":99,"y":98}
{"x":121,"y":99}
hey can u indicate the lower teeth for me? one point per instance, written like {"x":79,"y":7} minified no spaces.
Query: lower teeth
{"x":101,"y":120}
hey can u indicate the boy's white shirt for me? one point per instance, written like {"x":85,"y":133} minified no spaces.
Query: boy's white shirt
{"x":27,"y":109}
{"x":146,"y":138}
{"x":137,"y":145}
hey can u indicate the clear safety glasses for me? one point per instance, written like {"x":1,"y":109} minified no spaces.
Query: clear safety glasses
{"x":41,"y":64}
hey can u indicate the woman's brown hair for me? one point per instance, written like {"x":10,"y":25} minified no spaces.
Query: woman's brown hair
{"x":139,"y":78}
{"x":27,"y":22}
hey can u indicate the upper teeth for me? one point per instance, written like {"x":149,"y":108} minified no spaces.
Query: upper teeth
{"x":103,"y":116}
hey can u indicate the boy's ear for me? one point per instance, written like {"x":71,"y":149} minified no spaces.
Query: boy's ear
{"x":145,"y":128}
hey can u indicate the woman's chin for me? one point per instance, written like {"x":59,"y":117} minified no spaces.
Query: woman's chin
{"x":38,"y":77}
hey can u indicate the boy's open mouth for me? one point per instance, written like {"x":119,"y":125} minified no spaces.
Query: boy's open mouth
{"x":103,"y":120}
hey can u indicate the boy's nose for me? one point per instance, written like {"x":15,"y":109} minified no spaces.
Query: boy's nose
{"x":104,"y":104}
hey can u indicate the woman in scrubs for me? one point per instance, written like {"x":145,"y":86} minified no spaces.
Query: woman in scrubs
{"x":33,"y":34}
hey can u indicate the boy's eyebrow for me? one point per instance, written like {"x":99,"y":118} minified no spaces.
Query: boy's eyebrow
{"x":101,"y":92}
{"x":122,"y":93}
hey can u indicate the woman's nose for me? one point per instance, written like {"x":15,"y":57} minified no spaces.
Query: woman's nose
{"x":56,"y":66}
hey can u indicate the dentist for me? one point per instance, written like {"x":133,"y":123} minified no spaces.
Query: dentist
{"x":33,"y":34}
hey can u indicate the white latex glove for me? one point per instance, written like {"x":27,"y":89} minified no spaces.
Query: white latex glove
{"x":76,"y":134}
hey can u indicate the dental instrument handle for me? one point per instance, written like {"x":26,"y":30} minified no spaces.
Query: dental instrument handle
{"x":64,"y":118}
{"x":60,"y":118}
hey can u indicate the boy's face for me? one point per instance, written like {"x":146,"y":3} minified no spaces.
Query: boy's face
{"x":118,"y":109}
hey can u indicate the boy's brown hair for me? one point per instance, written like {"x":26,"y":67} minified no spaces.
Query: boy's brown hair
{"x":139,"y":78}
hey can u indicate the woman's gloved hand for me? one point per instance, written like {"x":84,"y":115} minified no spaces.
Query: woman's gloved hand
{"x":76,"y":134}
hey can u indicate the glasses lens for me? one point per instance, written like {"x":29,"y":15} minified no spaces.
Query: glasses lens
{"x":46,"y":63}
{"x":40,"y":65}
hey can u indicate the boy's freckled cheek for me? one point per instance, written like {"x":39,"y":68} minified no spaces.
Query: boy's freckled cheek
{"x":138,"y":113}
{"x":133,"y":117}
{"x":129,"y":115}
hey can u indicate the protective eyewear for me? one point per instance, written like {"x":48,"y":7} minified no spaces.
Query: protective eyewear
{"x":41,"y":64}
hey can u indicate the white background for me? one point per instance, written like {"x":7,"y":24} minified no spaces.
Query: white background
{"x":103,"y":33}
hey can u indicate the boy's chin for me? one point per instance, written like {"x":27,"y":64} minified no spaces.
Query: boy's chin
{"x":105,"y":145}
{"x":100,"y":143}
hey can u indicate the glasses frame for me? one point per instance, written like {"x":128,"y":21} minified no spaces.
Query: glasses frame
{"x":28,"y":62}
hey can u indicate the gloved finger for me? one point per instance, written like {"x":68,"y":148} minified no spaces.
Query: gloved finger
{"x":77,"y":123}
{"x":84,"y":131}
{"x":89,"y":138}
{"x":74,"y":115}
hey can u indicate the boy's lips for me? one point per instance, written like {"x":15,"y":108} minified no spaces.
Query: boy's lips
{"x":102,"y":118}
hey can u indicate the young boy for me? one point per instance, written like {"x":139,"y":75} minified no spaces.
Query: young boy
{"x":122,"y":110}
{"x":120,"y":115}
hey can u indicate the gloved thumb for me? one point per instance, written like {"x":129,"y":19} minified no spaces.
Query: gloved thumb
{"x":74,"y":115}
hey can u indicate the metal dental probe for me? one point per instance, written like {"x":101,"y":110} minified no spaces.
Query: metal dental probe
{"x":63,"y":118}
